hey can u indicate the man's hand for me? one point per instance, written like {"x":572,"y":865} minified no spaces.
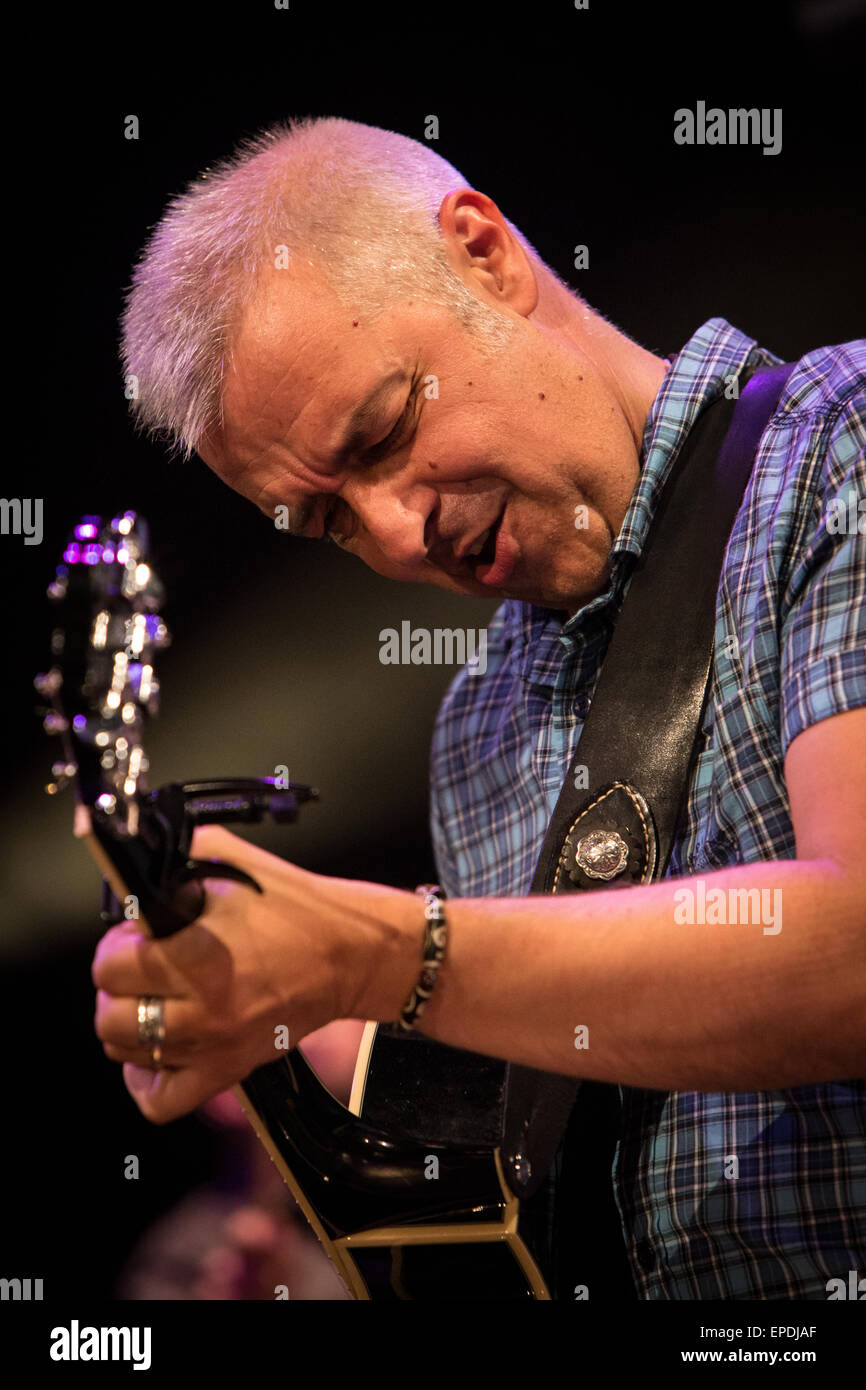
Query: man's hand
{"x":293,"y":957}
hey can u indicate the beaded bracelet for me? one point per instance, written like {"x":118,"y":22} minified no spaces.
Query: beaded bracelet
{"x":435,"y":937}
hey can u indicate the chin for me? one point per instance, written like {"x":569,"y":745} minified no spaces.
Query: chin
{"x":539,"y":600}
{"x":559,"y":598}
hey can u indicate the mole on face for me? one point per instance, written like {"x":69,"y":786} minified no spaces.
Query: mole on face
{"x":541,"y":395}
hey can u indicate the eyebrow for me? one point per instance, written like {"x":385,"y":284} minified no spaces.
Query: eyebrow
{"x":362,"y":417}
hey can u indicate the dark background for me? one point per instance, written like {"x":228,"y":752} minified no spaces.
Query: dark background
{"x":565,"y":118}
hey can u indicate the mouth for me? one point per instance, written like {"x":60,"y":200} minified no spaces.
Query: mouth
{"x":492,"y":555}
{"x":483,"y":548}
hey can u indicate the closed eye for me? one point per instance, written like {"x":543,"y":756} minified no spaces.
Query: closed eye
{"x":337,"y":512}
{"x":378,"y":450}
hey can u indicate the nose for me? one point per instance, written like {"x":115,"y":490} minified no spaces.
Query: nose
{"x":395,"y":518}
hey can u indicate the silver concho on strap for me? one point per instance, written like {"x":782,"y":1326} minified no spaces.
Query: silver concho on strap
{"x":613,"y":838}
{"x":602,"y":854}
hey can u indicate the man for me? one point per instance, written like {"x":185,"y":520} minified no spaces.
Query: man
{"x":342,"y":329}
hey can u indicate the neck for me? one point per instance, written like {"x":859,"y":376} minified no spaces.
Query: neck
{"x":630,"y":373}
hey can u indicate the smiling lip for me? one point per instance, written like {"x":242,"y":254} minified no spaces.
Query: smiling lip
{"x":504,"y":559}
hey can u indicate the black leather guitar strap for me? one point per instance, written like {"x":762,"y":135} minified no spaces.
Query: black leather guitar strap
{"x":614,"y":824}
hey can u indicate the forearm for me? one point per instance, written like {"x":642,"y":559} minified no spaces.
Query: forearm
{"x":614,"y":987}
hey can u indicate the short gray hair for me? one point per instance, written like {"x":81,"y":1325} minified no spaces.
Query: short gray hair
{"x":359,"y":203}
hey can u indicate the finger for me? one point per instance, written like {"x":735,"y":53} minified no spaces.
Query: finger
{"x":215,"y":842}
{"x":139,"y":1057}
{"x":165,"y":1095}
{"x":116,"y":1025}
{"x":128,"y":962}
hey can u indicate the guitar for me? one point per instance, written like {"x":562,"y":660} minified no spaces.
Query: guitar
{"x":413,"y":1190}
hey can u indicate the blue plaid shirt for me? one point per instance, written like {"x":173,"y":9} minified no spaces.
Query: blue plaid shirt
{"x":792,"y":597}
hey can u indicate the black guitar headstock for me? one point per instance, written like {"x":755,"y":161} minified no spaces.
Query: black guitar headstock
{"x":102,"y":689}
{"x":102,"y":685}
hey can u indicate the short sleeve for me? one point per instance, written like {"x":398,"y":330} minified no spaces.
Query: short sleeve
{"x":824,"y":628}
{"x":446,"y":874}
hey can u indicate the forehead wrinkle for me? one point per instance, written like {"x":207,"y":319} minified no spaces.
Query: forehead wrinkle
{"x":280,"y":486}
{"x":292,"y":410}
{"x":332,"y":456}
{"x":273,"y":492}
{"x":362,"y":418}
{"x":329,"y":463}
{"x":293,"y":333}
{"x":254,"y":441}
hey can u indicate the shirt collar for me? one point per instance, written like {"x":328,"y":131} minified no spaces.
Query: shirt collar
{"x":699,"y":373}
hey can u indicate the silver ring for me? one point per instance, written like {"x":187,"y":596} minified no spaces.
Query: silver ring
{"x":151,"y":1023}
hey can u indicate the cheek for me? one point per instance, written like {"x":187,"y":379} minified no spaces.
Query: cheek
{"x":462,"y":443}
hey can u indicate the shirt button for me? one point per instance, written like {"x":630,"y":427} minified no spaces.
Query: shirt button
{"x":581,"y":706}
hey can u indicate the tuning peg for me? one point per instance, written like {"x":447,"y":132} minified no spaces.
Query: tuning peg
{"x":48,"y":682}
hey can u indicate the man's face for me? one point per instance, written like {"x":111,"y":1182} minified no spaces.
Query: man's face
{"x":503,"y":475}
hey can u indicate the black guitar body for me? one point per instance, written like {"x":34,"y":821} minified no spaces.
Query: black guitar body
{"x":404,"y":1216}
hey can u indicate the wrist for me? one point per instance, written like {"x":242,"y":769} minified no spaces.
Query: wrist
{"x":379,"y":958}
{"x":433,"y":954}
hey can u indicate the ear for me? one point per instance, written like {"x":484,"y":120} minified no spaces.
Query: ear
{"x":484,"y":251}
